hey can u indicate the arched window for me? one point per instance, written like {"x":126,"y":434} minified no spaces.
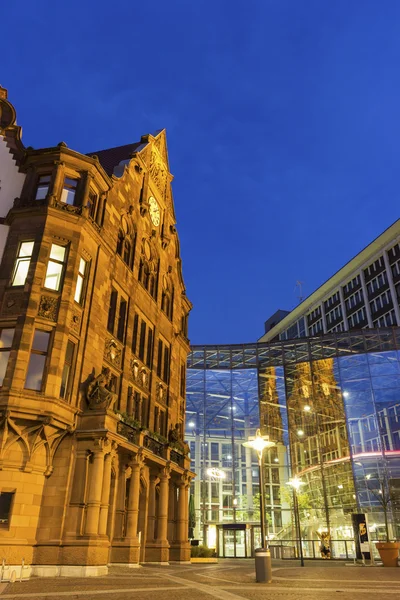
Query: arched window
{"x":148,"y":268}
{"x":167,"y":298}
{"x":126,"y":242}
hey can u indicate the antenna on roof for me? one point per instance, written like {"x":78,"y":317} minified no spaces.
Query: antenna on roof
{"x":299,"y":286}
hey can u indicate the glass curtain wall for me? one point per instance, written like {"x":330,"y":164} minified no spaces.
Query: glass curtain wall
{"x":332,"y":406}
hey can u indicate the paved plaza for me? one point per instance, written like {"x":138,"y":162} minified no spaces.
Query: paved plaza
{"x":227,"y":580}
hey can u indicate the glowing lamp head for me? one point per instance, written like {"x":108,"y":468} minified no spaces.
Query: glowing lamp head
{"x":307,"y":408}
{"x":259,"y":442}
{"x":295,"y":483}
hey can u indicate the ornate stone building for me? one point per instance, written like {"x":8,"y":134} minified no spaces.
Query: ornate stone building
{"x":93,"y":346}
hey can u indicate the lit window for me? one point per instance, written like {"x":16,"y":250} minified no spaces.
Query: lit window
{"x":42,"y":187}
{"x":79,"y":290}
{"x":6,"y":499}
{"x":37,"y":360}
{"x":66,"y":374}
{"x":69,"y":191}
{"x":6,"y":340}
{"x":55,"y":267}
{"x":22,"y":263}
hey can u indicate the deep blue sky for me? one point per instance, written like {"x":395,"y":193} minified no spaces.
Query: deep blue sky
{"x":282,"y":119}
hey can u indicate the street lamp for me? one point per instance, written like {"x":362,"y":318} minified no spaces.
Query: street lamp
{"x":296,"y":483}
{"x":263,"y":557}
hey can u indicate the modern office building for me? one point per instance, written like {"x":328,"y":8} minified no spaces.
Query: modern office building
{"x":331,"y":404}
{"x":363,"y":293}
{"x":93,"y":349}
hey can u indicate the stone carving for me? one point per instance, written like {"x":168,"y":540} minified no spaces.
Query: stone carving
{"x":76,"y":321}
{"x":98,"y":394}
{"x":48,"y":308}
{"x":174,"y":434}
{"x":12,"y":303}
{"x":158,"y":172}
{"x":144,"y":378}
{"x":112,"y":352}
{"x":134,"y":365}
{"x":161,"y":393}
{"x":40,"y":438}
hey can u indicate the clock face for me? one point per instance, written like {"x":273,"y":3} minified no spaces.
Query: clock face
{"x":154,"y":211}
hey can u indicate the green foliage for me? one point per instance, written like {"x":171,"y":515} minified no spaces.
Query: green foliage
{"x":202,"y":552}
{"x":129,"y":420}
{"x":158,"y":437}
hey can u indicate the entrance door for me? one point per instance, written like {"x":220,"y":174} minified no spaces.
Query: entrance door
{"x":233,"y":543}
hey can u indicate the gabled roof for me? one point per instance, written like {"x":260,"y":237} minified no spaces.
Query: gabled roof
{"x":111,"y":158}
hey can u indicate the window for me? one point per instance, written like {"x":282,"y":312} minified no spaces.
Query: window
{"x":380,"y":301}
{"x":42,"y":188}
{"x":183,"y":380}
{"x":121,"y":309}
{"x":92,"y":204}
{"x":6,"y":500}
{"x":376,"y":283}
{"x":37,"y":360}
{"x":121,"y":320}
{"x":351,"y":285}
{"x":55,"y":267}
{"x":80,"y":281}
{"x":125,"y":243}
{"x":65,"y":378}
{"x":112,"y":311}
{"x":354,"y":299}
{"x":6,"y":340}
{"x":163,"y":361}
{"x":145,"y":412}
{"x":142,"y":341}
{"x":135,"y":333}
{"x":146,"y":338}
{"x":69,"y":191}
{"x":184,"y":325}
{"x":22,"y":263}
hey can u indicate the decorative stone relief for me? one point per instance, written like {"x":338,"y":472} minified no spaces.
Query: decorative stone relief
{"x":48,"y":308}
{"x":98,"y":396}
{"x":40,"y":438}
{"x":12,"y":303}
{"x":112,"y":352}
{"x":158,"y":172}
{"x":161,"y":393}
{"x":134,"y":367}
{"x":76,"y":321}
{"x":144,"y":378}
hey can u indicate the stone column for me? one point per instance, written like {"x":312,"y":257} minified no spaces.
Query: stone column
{"x":133,"y":498}
{"x":95,"y":491}
{"x":183,"y":510}
{"x":162,"y":522}
{"x":56,"y":183}
{"x":151,"y":519}
{"x":77,"y":503}
{"x":84,"y":192}
{"x":105,"y":496}
{"x":120,"y":502}
{"x":172,"y":532}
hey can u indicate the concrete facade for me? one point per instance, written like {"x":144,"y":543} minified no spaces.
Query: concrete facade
{"x":93,"y":324}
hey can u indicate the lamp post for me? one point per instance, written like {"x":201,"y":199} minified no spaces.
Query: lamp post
{"x":263,"y":556}
{"x":295,"y":483}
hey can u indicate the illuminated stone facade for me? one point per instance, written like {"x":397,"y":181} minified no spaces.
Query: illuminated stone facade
{"x":93,"y":348}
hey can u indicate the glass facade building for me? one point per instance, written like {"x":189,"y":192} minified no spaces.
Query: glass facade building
{"x":331,"y":404}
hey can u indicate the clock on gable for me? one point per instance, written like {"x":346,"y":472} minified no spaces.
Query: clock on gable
{"x":154,"y":211}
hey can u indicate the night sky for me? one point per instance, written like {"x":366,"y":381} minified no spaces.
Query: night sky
{"x":282,"y":119}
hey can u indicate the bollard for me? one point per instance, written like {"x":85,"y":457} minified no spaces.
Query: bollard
{"x":263,"y":565}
